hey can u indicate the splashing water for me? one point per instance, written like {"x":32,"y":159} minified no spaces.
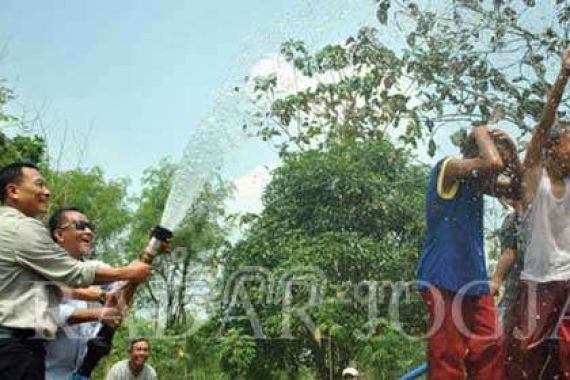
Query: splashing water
{"x":220,"y":135}
{"x":202,"y":157}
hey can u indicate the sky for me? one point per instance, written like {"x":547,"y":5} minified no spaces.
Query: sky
{"x":124,"y":81}
{"x":122,"y":84}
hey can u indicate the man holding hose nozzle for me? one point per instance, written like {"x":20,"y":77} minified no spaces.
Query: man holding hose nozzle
{"x":78,"y":319}
{"x":100,"y":345}
{"x":71,"y":229}
{"x":29,"y":259}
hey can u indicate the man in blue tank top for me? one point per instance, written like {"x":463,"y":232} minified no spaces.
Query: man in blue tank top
{"x":463,"y":336}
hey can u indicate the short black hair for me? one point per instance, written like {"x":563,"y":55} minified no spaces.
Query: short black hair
{"x":12,"y":173}
{"x":136,"y":340}
{"x":556,"y":130}
{"x":469,"y":147}
{"x":55,"y":219}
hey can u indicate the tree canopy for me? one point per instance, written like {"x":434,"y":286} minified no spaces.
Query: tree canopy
{"x":347,"y":221}
{"x":318,"y":278}
{"x":447,"y":65}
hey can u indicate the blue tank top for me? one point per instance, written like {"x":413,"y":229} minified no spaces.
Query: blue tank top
{"x":453,"y":254}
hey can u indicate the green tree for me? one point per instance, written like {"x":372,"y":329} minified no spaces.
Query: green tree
{"x":22,"y":148}
{"x":164,"y":312}
{"x":450,"y":64}
{"x":104,"y":201}
{"x":197,"y":242}
{"x":357,"y":93}
{"x":343,"y":220}
{"x":475,"y":61}
{"x":18,"y":147}
{"x":191,"y":358}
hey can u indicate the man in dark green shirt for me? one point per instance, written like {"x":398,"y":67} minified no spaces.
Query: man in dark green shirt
{"x":509,"y":266}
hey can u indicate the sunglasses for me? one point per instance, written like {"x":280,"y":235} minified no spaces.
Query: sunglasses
{"x":80,"y":225}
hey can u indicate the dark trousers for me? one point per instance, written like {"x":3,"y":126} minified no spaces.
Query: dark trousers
{"x":542,"y":322}
{"x":22,"y":359}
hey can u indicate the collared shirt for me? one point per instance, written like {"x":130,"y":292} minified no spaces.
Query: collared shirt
{"x":66,"y":352}
{"x":28,"y":259}
{"x":122,"y":371}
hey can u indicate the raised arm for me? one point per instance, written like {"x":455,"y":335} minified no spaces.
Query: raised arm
{"x":488,"y":160}
{"x":548,"y":116}
{"x":540,"y":135}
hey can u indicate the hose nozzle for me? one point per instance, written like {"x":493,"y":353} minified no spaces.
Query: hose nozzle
{"x":159,"y":234}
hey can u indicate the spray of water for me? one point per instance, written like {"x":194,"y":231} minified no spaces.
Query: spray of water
{"x":204,"y":154}
{"x":218,"y":138}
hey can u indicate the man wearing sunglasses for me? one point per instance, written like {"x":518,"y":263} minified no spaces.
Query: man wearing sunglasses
{"x":78,"y":318}
{"x":29,"y":259}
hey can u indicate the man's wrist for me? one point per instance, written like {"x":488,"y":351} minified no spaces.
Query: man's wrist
{"x":146,"y":257}
{"x":102,"y":298}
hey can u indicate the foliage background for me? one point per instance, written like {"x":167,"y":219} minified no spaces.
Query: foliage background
{"x":343,"y":212}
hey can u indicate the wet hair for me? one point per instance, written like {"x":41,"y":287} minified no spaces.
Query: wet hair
{"x":469,"y":148}
{"x":136,"y":340}
{"x":556,"y":131}
{"x":468,"y":145}
{"x":56,"y":217}
{"x":12,"y":173}
{"x":465,"y":142}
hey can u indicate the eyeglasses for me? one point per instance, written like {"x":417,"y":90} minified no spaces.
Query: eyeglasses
{"x":80,"y":225}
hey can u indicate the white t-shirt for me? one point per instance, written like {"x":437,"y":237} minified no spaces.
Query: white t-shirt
{"x":121,"y":371}
{"x":547,"y":256}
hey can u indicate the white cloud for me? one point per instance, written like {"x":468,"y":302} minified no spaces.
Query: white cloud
{"x":249,"y":188}
{"x":290,"y":80}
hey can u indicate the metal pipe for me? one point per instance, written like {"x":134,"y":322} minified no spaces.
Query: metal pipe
{"x":159,"y":235}
{"x":416,"y":372}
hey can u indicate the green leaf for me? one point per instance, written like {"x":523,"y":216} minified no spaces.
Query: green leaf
{"x":431,"y":147}
{"x":382,"y":11}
